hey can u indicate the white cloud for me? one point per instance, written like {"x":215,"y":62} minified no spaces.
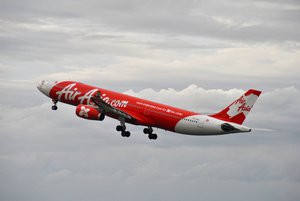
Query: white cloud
{"x":232,"y":66}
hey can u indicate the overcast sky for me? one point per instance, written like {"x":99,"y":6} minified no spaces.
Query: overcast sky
{"x":198,"y":55}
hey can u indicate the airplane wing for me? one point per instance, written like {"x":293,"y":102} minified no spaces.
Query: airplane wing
{"x":108,"y":109}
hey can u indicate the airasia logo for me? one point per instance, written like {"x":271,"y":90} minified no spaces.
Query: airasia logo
{"x":84,"y":112}
{"x":242,"y":105}
{"x":71,"y":93}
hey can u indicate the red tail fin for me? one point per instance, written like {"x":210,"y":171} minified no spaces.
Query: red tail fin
{"x":237,"y":111}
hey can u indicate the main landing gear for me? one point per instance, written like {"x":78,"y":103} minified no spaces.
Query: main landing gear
{"x":54,"y":106}
{"x":151,"y":135}
{"x":122,"y":128}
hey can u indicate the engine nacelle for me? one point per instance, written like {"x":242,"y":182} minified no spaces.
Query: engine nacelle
{"x":87,"y":112}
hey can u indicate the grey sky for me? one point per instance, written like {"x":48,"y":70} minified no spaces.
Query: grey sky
{"x":198,"y":55}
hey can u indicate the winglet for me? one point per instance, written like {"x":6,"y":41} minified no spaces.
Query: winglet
{"x":237,"y":111}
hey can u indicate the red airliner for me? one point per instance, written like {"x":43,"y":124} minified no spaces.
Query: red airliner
{"x":96,"y":103}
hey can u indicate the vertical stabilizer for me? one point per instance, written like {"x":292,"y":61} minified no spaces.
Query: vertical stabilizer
{"x":237,"y":111}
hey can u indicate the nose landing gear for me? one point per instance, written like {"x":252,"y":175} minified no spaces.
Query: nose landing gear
{"x":54,"y":106}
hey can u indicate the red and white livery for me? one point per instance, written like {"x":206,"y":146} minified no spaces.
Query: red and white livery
{"x":96,"y":103}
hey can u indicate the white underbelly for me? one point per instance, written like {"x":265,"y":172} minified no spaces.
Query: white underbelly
{"x":199,"y":125}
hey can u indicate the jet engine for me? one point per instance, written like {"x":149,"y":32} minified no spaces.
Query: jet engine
{"x":88,"y":112}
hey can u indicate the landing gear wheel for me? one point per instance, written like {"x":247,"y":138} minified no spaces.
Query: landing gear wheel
{"x":54,"y":107}
{"x":120,"y":128}
{"x":152,"y":136}
{"x":102,"y":116}
{"x":125,"y":133}
{"x":146,"y":130}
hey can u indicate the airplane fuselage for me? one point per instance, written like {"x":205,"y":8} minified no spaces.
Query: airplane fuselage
{"x":141,"y":112}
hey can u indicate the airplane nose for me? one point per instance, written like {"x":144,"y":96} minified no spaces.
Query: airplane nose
{"x":45,"y":86}
{"x":40,"y":84}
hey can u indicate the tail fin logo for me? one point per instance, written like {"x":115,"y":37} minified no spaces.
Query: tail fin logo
{"x":243,"y":104}
{"x":238,"y":110}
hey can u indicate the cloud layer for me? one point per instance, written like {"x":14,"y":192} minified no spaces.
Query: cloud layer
{"x":71,"y":158}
